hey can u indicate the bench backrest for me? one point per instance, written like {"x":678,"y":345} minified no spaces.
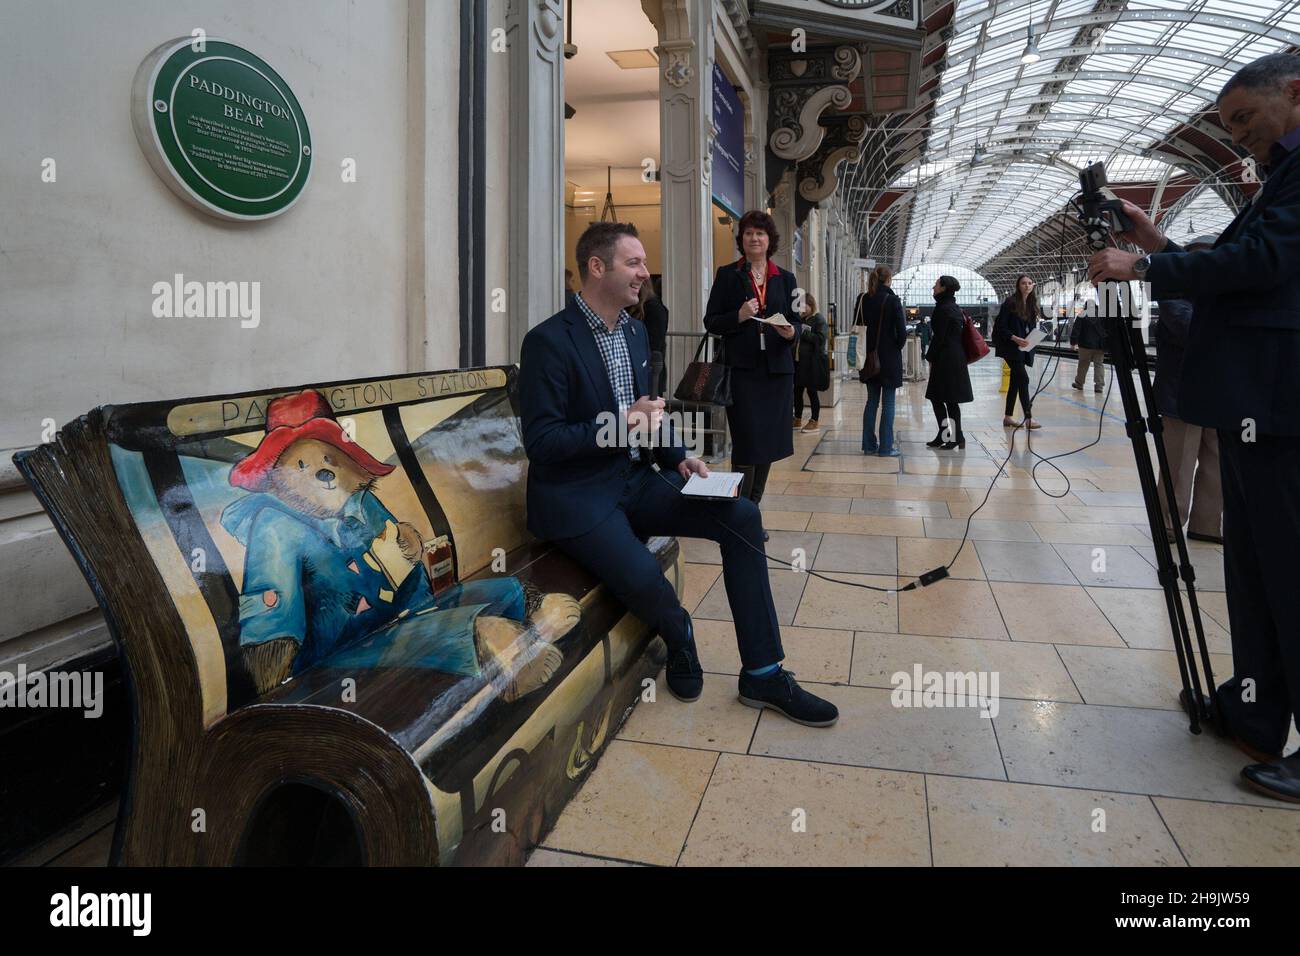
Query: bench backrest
{"x":181,"y":512}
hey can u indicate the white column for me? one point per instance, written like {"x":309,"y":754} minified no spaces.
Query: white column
{"x":783,"y":213}
{"x":753,"y":153}
{"x":534,"y":30}
{"x":755,"y":138}
{"x":685,"y":108}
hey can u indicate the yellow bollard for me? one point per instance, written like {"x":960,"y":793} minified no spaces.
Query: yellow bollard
{"x":1006,"y":377}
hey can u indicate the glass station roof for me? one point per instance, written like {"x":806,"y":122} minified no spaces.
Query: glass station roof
{"x":1114,"y":79}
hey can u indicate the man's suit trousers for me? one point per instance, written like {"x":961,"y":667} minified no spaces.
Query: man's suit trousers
{"x":652,"y":504}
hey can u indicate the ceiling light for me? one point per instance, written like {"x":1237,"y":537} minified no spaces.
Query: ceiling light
{"x":1030,"y":55}
{"x":633,"y":59}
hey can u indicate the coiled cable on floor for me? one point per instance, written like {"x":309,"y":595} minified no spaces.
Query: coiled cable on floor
{"x":942,"y":572}
{"x":1053,"y":363}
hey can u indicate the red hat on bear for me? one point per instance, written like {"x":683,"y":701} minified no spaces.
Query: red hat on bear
{"x":289,"y":418}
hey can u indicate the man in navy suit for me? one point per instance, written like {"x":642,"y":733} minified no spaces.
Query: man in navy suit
{"x":1241,"y":375}
{"x":583,"y":380}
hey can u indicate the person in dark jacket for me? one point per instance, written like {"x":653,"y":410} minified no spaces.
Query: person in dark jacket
{"x":949,"y":386}
{"x":1240,"y":376}
{"x":653,"y":314}
{"x":1018,"y":317}
{"x":810,"y":370}
{"x":1193,"y":451}
{"x":886,"y":333}
{"x":568,"y":287}
{"x":1088,"y":335}
{"x":746,"y":294}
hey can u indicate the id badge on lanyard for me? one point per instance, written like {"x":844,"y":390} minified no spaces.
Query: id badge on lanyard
{"x":760,"y":293}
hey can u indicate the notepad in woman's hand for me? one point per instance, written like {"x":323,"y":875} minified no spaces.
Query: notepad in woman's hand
{"x":1032,"y":340}
{"x":719,"y":484}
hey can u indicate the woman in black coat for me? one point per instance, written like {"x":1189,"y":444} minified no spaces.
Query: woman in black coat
{"x":760,"y":355}
{"x":653,"y":314}
{"x":949,"y":386}
{"x":886,"y":333}
{"x":810,"y":371}
{"x":1016,"y":319}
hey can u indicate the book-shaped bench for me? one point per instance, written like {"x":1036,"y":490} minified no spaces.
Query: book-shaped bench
{"x":341,"y":643}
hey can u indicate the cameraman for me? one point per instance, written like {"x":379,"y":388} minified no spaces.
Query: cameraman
{"x":1241,"y":375}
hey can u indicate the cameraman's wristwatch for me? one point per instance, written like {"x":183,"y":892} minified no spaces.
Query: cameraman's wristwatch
{"x":1141,"y":266}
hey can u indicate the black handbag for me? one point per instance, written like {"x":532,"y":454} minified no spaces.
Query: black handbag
{"x":705,"y":382}
{"x":871,"y":361}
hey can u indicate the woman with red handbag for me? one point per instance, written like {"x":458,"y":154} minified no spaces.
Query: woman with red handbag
{"x":949,"y":386}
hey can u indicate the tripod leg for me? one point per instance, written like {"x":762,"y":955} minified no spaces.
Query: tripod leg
{"x":1156,"y":426}
{"x":1119,"y":327}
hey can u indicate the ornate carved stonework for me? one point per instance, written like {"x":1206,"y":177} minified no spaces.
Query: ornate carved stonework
{"x":817,"y":175}
{"x":679,"y":71}
{"x":806,"y":86}
{"x":781,"y":194}
{"x":836,"y":17}
{"x":549,"y":24}
{"x":796,"y":139}
{"x":848,"y":64}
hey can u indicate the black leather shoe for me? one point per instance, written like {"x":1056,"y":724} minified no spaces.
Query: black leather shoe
{"x":950,"y":445}
{"x":1279,"y":779}
{"x":938,"y":440}
{"x":683,"y":674}
{"x":1217,"y":725}
{"x":782,"y":693}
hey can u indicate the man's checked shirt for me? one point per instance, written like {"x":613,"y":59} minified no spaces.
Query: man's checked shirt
{"x":618,"y":363}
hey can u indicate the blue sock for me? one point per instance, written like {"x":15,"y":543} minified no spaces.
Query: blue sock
{"x":763,"y":671}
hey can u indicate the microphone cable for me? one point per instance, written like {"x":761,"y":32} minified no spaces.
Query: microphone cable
{"x":941,"y":572}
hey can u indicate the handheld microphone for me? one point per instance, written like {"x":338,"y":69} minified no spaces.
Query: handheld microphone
{"x":656,"y":372}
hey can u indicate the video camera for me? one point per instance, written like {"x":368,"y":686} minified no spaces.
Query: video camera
{"x":1100,"y":209}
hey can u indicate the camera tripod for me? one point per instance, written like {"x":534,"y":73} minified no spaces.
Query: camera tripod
{"x":1128,"y":351}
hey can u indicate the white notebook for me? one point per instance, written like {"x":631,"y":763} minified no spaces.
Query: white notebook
{"x":1032,"y":340}
{"x":719,"y":484}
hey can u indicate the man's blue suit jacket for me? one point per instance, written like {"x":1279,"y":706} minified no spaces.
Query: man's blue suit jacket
{"x":1243,"y":345}
{"x":574,"y":483}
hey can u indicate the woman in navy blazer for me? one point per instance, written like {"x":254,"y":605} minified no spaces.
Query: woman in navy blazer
{"x":760,"y":356}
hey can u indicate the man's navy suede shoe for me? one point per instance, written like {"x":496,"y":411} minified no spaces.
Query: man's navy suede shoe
{"x":782,"y":693}
{"x":683,"y":674}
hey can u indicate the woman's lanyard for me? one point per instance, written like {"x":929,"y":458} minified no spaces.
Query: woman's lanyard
{"x":760,"y":293}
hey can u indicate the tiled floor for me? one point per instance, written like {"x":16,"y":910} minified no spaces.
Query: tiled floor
{"x":1087,"y":759}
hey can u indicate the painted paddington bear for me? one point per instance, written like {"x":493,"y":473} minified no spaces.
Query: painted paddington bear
{"x":330,"y":575}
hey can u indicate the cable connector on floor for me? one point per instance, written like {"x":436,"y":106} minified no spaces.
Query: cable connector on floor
{"x":930,"y":577}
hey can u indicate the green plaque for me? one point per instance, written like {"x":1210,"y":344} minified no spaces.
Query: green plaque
{"x":221,"y":128}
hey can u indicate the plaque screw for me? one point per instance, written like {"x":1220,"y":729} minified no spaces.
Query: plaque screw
{"x":306,"y":150}
{"x":160,"y":105}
